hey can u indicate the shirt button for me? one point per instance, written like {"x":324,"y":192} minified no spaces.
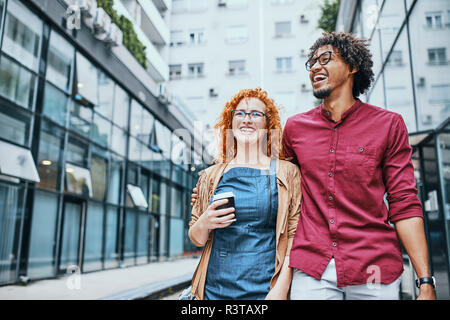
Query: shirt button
{"x":330,"y":198}
{"x":331,"y":150}
{"x":335,"y":128}
{"x":334,"y":244}
{"x":330,"y":174}
{"x":331,"y":221}
{"x":361,"y":149}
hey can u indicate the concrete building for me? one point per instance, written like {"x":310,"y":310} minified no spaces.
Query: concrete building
{"x":218,"y":47}
{"x":410,"y":41}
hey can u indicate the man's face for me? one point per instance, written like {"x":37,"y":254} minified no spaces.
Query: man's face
{"x":331,"y":74}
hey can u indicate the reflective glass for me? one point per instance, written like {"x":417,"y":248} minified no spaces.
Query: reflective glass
{"x":78,"y":180}
{"x":86,"y":80}
{"x":94,"y":237}
{"x":115,"y":179}
{"x":60,"y":62}
{"x":121,"y":107}
{"x":14,"y":125}
{"x":142,"y":237}
{"x":18,"y":84}
{"x":111,"y":252}
{"x":42,"y":237}
{"x":99,"y":168}
{"x":118,"y":140}
{"x":71,"y":236}
{"x":22,"y":35}
{"x":80,"y":118}
{"x":176,"y":203}
{"x":105,"y":95}
{"x":55,"y":104}
{"x":17,"y":162}
{"x":49,"y":157}
{"x":101,"y":130}
{"x":130,"y":236}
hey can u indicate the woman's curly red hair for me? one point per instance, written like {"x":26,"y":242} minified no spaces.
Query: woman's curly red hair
{"x":227,"y":151}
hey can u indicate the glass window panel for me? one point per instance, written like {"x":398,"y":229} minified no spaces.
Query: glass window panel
{"x":137,"y":196}
{"x":429,"y":47}
{"x":118,"y":140}
{"x":42,"y":238}
{"x":99,"y":168}
{"x":163,"y":138}
{"x":136,"y":118}
{"x":71,"y":235}
{"x":18,"y":84}
{"x":176,"y":206}
{"x":390,"y":21}
{"x":105,"y":95}
{"x":111,"y":252}
{"x":121,"y":108}
{"x":115,"y":179}
{"x":2,"y":6}
{"x":398,"y":82}
{"x":60,"y":61}
{"x":163,"y":236}
{"x":176,"y":237}
{"x":94,"y":237}
{"x":55,"y":104}
{"x":11,"y":210}
{"x":22,"y":36}
{"x":17,"y":162}
{"x":236,"y":34}
{"x":142,"y":237}
{"x":14,"y":125}
{"x":282,"y":28}
{"x":76,"y":152}
{"x":130,"y":236}
{"x":78,"y":180}
{"x":49,"y":158}
{"x":156,"y":198}
{"x":147,"y":126}
{"x":134,"y":153}
{"x":80,"y":118}
{"x":101,"y":130}
{"x":87,"y":81}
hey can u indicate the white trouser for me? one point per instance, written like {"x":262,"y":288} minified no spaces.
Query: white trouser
{"x":305,"y":287}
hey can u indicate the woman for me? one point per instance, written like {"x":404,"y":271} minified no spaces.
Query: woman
{"x":246,"y":254}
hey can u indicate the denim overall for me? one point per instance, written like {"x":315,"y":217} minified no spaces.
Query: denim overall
{"x":242,"y":259}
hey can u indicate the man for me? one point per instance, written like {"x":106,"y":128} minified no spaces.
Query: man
{"x":350,"y":154}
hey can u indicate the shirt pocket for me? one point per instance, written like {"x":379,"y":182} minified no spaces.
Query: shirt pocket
{"x":360,"y":163}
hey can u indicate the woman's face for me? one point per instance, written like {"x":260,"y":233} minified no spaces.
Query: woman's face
{"x":249,"y":120}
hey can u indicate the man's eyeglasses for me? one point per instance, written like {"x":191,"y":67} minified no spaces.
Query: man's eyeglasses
{"x":254,"y":115}
{"x":323,"y":59}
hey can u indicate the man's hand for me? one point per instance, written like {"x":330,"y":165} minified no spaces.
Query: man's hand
{"x":426,"y":292}
{"x":194,"y":196}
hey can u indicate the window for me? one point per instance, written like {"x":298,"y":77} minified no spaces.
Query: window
{"x":284,"y":64}
{"x":23,"y":34}
{"x":99,"y":167}
{"x":17,"y":83}
{"x":94,"y":233}
{"x":196,"y":37}
{"x":49,"y":157}
{"x":118,"y":140}
{"x":236,"y":67}
{"x":55,"y":104}
{"x":121,"y":107}
{"x":80,"y":118}
{"x":440,"y":93}
{"x":137,"y":196}
{"x":176,"y":38}
{"x":115,"y":178}
{"x":437,"y":56}
{"x":60,"y":62}
{"x":434,"y":19}
{"x":395,"y":59}
{"x":78,"y":180}
{"x":236,"y":34}
{"x":175,"y":71}
{"x":14,"y":125}
{"x":105,"y":96}
{"x":101,"y":130}
{"x":111,"y":225}
{"x":17,"y":162}
{"x":86,"y":81}
{"x":282,"y":29}
{"x":196,"y":70}
{"x":164,"y":136}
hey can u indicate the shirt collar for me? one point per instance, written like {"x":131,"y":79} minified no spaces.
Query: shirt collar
{"x":349,"y":111}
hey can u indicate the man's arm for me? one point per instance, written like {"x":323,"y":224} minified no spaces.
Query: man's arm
{"x":412,"y":235}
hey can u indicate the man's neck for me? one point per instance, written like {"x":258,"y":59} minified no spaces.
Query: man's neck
{"x":337,"y":103}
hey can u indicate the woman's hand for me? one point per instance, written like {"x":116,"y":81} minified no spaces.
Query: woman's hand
{"x":194,"y":196}
{"x":214,"y":219}
{"x":277,"y":293}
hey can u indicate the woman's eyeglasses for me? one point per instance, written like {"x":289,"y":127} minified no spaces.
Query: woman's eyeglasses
{"x":254,"y":115}
{"x":323,"y":59}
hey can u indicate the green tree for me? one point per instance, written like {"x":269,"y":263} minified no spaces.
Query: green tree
{"x":330,"y":10}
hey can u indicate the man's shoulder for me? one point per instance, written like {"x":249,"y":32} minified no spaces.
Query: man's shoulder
{"x":378,"y":112}
{"x":302,"y":116}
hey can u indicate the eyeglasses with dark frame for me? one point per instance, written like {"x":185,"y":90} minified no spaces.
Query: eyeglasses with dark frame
{"x":254,"y":114}
{"x":323,"y":59}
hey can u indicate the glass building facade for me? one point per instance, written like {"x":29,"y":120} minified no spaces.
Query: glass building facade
{"x":410,"y":44}
{"x":89,"y":176}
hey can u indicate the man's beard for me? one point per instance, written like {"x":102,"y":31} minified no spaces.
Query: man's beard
{"x":322,"y":93}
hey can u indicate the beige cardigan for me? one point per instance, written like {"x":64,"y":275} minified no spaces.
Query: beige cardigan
{"x":289,"y":197}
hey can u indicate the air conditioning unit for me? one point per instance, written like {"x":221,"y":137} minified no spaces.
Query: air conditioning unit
{"x":421,"y":82}
{"x":222,"y":3}
{"x":213,"y":92}
{"x":102,"y":22}
{"x":427,"y":119}
{"x":114,"y":37}
{"x":303,"y":19}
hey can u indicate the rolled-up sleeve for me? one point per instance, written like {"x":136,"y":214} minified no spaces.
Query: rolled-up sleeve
{"x":398,"y":174}
{"x":294,"y":207}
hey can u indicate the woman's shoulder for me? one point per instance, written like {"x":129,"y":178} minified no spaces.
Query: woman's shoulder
{"x":211,"y":170}
{"x":288,"y":167}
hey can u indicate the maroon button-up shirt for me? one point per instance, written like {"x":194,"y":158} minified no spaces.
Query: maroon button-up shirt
{"x":347,"y":167}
